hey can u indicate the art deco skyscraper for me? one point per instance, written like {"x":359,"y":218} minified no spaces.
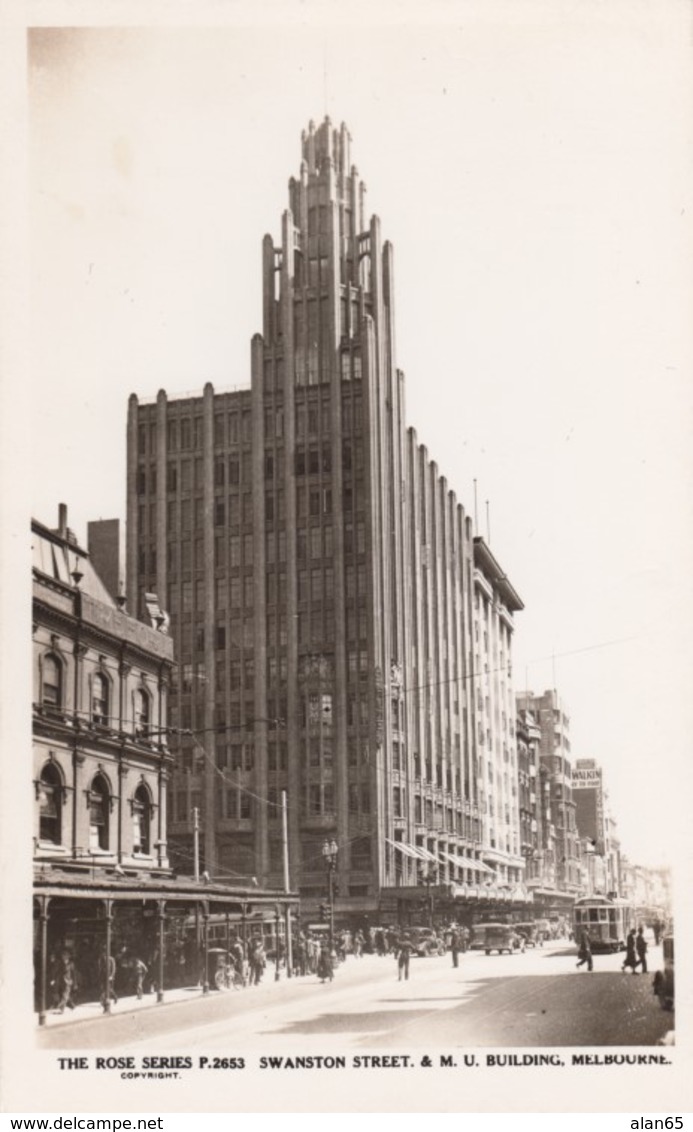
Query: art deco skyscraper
{"x":320,"y":577}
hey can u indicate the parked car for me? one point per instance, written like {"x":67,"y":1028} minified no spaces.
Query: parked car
{"x":502,"y":937}
{"x":477,"y":941}
{"x":663,"y":983}
{"x":425,"y":941}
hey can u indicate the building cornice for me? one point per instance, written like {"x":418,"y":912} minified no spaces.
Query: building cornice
{"x":486,"y":562}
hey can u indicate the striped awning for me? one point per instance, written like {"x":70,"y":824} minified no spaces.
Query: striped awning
{"x":467,"y":863}
{"x":416,"y":852}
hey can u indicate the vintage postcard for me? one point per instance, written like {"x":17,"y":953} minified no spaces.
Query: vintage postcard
{"x":347,"y":550}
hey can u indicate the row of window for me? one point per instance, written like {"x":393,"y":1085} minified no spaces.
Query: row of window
{"x":52,"y":695}
{"x":310,"y":461}
{"x":187,"y":433}
{"x":51,"y":790}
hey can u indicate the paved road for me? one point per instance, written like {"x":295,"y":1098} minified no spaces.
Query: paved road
{"x":533,"y":999}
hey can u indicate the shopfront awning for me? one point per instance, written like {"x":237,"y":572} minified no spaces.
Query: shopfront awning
{"x":467,"y":863}
{"x":415,"y":852}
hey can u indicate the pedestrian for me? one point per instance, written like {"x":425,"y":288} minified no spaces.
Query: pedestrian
{"x":66,"y":982}
{"x":404,"y":950}
{"x":107,"y":974}
{"x":256,"y":960}
{"x":455,"y":946}
{"x":657,"y":929}
{"x":641,"y":948}
{"x":313,"y":954}
{"x":140,"y":969}
{"x":358,"y":945}
{"x":585,"y":950}
{"x":325,"y":964}
{"x":631,"y":959}
{"x":238,"y":961}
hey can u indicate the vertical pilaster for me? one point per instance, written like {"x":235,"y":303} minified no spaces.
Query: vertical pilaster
{"x":161,"y":451}
{"x":259,"y":607}
{"x":339,"y":683}
{"x":208,"y":740}
{"x":268,"y":289}
{"x":286,"y":310}
{"x":44,"y":901}
{"x":132,"y":534}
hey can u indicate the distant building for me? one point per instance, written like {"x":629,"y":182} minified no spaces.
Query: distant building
{"x":649,"y":889}
{"x":530,"y":799}
{"x":595,"y":826}
{"x":559,"y":805}
{"x":495,"y":602}
{"x":588,"y":795}
{"x":341,"y":634}
{"x":105,"y":544}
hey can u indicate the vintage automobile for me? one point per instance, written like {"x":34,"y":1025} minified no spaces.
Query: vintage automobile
{"x":502,"y":937}
{"x":478,"y":937}
{"x":531,"y":933}
{"x":426,"y":942}
{"x":663,"y":983}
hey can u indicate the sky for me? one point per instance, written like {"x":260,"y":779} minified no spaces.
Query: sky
{"x":530,"y":163}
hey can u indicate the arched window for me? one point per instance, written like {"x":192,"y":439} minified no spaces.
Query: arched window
{"x":141,"y":713}
{"x":52,"y":682}
{"x":50,"y":792}
{"x":141,"y":821}
{"x":99,"y":813}
{"x":99,"y":699}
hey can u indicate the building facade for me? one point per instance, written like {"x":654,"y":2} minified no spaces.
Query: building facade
{"x":100,"y":678}
{"x":103,"y":888}
{"x":529,"y":795}
{"x":342,"y":635}
{"x":562,"y":842}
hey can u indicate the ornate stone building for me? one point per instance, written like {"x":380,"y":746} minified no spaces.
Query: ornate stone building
{"x":100,"y":679}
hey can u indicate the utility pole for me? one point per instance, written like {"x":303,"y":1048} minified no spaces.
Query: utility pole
{"x":196,"y":844}
{"x":285,"y":856}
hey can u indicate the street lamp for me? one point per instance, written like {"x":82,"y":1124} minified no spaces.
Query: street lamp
{"x":330,"y":849}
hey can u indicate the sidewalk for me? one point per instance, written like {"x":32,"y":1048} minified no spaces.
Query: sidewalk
{"x":87,"y":1011}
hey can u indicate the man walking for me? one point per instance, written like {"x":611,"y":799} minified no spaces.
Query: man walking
{"x":641,"y":948}
{"x":140,"y":969}
{"x":66,"y":983}
{"x":455,"y":946}
{"x":403,"y":957}
{"x":107,"y":974}
{"x":585,"y":950}
{"x":631,"y":959}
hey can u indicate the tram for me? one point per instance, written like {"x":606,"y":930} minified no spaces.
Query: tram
{"x":607,"y":921}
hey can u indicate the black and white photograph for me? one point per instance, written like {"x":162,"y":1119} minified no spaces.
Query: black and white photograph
{"x":347,"y":490}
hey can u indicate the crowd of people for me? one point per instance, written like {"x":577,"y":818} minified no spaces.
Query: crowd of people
{"x":313,"y":953}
